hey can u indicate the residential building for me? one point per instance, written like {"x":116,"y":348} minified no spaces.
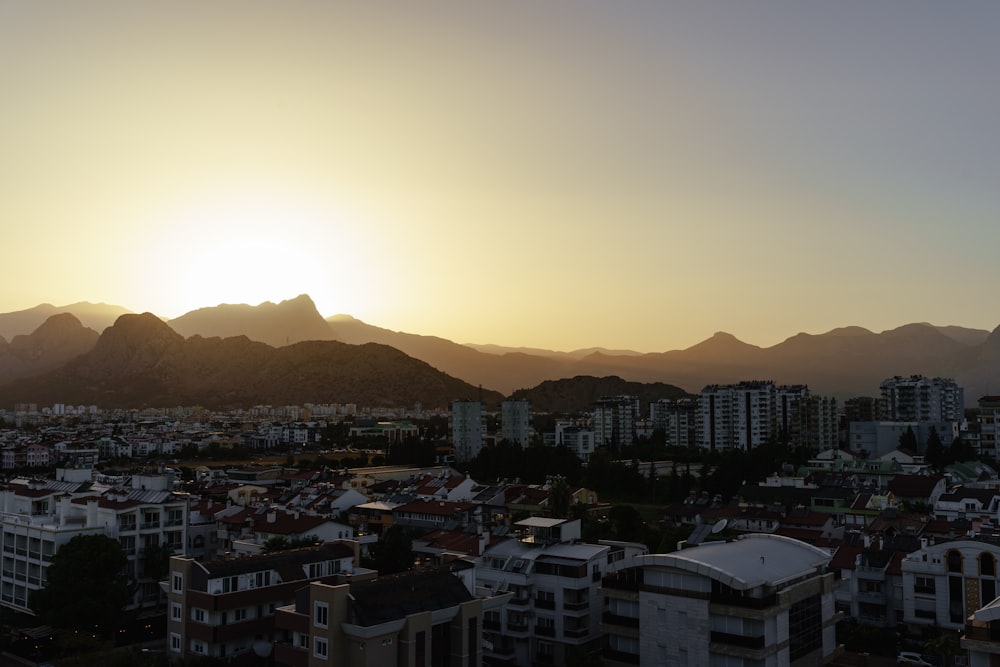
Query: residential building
{"x":225,"y":608}
{"x":614,"y":420}
{"x":920,"y":399}
{"x":407,"y":619}
{"x":736,"y":416}
{"x":39,"y":517}
{"x":677,"y":418}
{"x":554,"y":615}
{"x":945,"y":583}
{"x":515,"y":421}
{"x":761,"y":599}
{"x":577,"y":438}
{"x":468,"y":429}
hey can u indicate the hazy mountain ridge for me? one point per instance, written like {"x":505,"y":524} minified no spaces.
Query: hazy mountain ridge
{"x":96,"y":316}
{"x":844,"y":362}
{"x":570,"y":395}
{"x":141,"y":361}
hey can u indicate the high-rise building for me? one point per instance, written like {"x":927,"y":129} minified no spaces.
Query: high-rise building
{"x":614,"y":420}
{"x":677,"y":418}
{"x":515,"y":421}
{"x":920,"y":399}
{"x":736,"y":416}
{"x":468,"y":429}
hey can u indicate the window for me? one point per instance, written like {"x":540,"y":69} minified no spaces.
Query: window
{"x":303,"y":641}
{"x":239,"y":615}
{"x":178,"y":582}
{"x":987,"y":565}
{"x":176,"y":612}
{"x":198,"y":615}
{"x":320,"y":647}
{"x":230,"y":584}
{"x":175,"y":642}
{"x":321,"y":617}
{"x":262,"y":579}
{"x":198,"y":647}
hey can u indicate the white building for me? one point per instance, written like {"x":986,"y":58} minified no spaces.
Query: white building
{"x":576,"y":437}
{"x":736,"y":416}
{"x":468,"y":429}
{"x":39,"y":518}
{"x":761,"y":600}
{"x":943,"y":584}
{"x":555,"y":611}
{"x":677,"y":418}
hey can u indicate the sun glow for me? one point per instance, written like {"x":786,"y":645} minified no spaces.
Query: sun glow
{"x":251,"y":248}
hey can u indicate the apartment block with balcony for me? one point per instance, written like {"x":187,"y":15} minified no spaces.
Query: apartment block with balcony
{"x":554,"y":614}
{"x":425,"y":617}
{"x":944,"y":583}
{"x":40,"y":517}
{"x":761,"y":599}
{"x":225,"y":609}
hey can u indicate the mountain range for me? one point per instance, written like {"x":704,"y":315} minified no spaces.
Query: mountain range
{"x":288,"y":353}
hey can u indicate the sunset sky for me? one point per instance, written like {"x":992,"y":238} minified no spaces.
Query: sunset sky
{"x":557,"y":174}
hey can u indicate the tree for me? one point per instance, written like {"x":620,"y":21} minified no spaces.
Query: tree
{"x":393,"y":552}
{"x":86,"y":587}
{"x":934,"y":454}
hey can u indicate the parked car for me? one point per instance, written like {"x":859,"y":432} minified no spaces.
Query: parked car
{"x":914,"y":658}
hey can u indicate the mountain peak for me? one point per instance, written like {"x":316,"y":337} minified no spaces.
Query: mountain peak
{"x":277,"y":324}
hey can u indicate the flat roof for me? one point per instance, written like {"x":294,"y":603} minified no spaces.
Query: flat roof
{"x":540,"y":522}
{"x":757,"y":559}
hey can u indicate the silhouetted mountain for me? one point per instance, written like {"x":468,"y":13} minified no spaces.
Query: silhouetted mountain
{"x":60,"y":338}
{"x":579,"y":393}
{"x":502,"y":372}
{"x":96,"y":316}
{"x":141,"y":361}
{"x":277,"y":324}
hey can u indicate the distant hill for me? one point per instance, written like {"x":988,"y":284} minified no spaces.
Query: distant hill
{"x":141,"y":361}
{"x":844,"y":362}
{"x":96,"y":316}
{"x":277,"y":324}
{"x":578,"y":393}
{"x":56,"y":341}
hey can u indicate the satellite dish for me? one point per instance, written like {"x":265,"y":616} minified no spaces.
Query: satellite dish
{"x":719,"y":526}
{"x":262,"y":648}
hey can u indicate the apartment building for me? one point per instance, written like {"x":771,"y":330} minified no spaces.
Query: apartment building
{"x":943,"y":584}
{"x":407,"y":619}
{"x":554,"y":614}
{"x":920,"y":399}
{"x":677,"y":418}
{"x":576,"y":437}
{"x":736,"y":416}
{"x":39,"y":517}
{"x":468,"y":429}
{"x":761,"y":599}
{"x":515,"y":421}
{"x":225,"y":609}
{"x":614,"y":420}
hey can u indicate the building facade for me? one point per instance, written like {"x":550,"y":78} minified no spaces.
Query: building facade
{"x":468,"y":429}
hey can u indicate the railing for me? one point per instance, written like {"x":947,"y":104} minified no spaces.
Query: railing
{"x":575,"y":606}
{"x":744,"y":601}
{"x":576,"y":632}
{"x":621,"y":656}
{"x":616,"y":619}
{"x":545,"y":630}
{"x":737,"y":640}
{"x":544,"y":603}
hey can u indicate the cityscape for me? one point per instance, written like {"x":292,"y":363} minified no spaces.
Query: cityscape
{"x":527,"y":334}
{"x":746,"y":523}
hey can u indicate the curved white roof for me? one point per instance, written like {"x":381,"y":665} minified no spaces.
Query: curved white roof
{"x":751,"y":561}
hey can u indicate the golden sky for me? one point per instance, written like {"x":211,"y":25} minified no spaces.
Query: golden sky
{"x":549,"y":174}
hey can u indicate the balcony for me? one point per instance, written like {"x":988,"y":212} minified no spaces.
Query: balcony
{"x":741,"y":641}
{"x":545,"y":630}
{"x":545,"y":603}
{"x":578,"y":605}
{"x":615,"y":619}
{"x":576,"y":633}
{"x":620,"y":656}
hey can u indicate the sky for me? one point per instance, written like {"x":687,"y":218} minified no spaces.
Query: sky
{"x":559,"y":174}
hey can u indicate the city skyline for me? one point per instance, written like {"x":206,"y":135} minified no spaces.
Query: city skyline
{"x":558,"y":176}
